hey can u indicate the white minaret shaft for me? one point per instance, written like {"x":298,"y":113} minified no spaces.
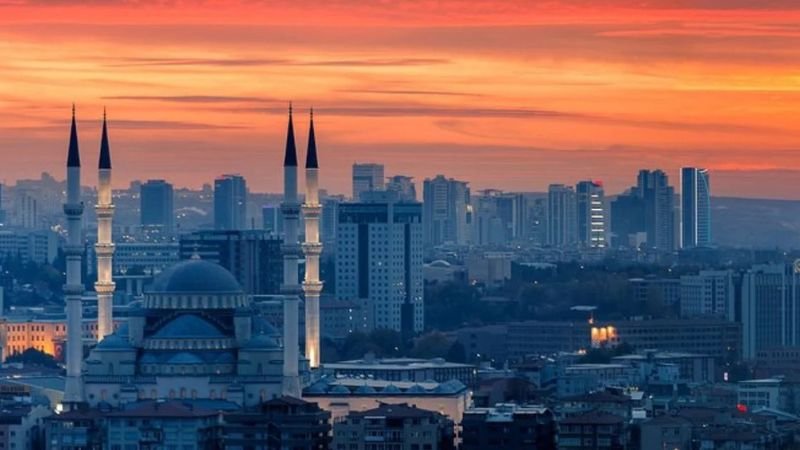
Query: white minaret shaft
{"x":290,"y":208}
{"x":73,"y":289}
{"x":312,"y":248}
{"x":104,"y":286}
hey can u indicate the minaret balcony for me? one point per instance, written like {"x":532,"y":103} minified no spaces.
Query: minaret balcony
{"x":312,"y":288}
{"x":291,"y":249}
{"x":73,"y":209}
{"x":105,"y":287}
{"x":312,"y":248}
{"x":73,"y":250}
{"x":104,"y":249}
{"x":104,"y":211}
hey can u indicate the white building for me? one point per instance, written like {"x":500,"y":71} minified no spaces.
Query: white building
{"x":770,"y":308}
{"x":37,"y":246}
{"x":591,"y":214}
{"x":379,"y":262}
{"x":709,"y":293}
{"x":562,"y":219}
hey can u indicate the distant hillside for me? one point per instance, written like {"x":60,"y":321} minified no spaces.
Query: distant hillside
{"x":756,"y":223}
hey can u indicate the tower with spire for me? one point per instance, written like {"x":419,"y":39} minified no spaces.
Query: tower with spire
{"x":104,"y":286}
{"x":73,"y":289}
{"x":290,"y":209}
{"x":312,"y":248}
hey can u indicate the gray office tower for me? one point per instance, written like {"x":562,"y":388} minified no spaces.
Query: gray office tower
{"x":659,"y":209}
{"x":230,"y":203}
{"x":156,"y":197}
{"x":562,"y":222}
{"x":695,"y":207}
{"x":446,"y":203}
{"x":367,"y":177}
{"x":379,"y":263}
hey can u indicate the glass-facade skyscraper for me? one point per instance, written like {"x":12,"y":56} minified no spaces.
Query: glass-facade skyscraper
{"x":157,"y":208}
{"x":230,"y":203}
{"x":695,"y":207}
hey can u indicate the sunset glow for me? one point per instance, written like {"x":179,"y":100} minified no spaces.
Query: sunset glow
{"x":539,"y":92}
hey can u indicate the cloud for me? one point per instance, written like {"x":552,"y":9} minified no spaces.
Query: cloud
{"x":410,"y":92}
{"x":256,"y":62}
{"x":194,"y":98}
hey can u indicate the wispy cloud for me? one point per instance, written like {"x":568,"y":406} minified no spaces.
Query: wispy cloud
{"x":256,"y":62}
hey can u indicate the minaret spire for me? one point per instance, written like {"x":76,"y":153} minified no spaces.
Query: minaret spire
{"x":105,"y":152}
{"x":73,"y":154}
{"x":73,"y":288}
{"x":290,"y":156}
{"x":312,"y":286}
{"x":311,"y":155}
{"x":104,"y":248}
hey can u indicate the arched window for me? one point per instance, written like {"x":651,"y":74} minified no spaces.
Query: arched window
{"x":172,"y":393}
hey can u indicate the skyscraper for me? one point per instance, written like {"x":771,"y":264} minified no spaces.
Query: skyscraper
{"x":230,"y":203}
{"x":562,"y":220}
{"x":379,"y":263}
{"x":659,"y":206}
{"x":591,"y":214}
{"x":366,"y":177}
{"x":156,"y":199}
{"x":695,"y":207}
{"x":404,"y":188}
{"x":627,"y":219}
{"x":445,"y":217}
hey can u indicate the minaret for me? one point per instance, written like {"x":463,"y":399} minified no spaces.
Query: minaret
{"x":312,"y":248}
{"x":73,"y":289}
{"x":105,"y":246}
{"x":290,"y":208}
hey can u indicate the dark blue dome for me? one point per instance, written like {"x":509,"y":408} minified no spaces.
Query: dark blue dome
{"x":195,"y":276}
{"x":188,"y":326}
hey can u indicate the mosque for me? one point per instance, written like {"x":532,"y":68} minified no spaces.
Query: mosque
{"x":194,"y":335}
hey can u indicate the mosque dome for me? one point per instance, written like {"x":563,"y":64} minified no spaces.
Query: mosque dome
{"x":261,"y":342}
{"x":195,"y":276}
{"x":188,"y":326}
{"x":114,"y":342}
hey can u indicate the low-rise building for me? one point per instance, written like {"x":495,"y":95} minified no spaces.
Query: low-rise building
{"x":403,"y":369}
{"x":285,"y":422}
{"x":397,"y":427}
{"x":341,"y":396}
{"x":593,"y":430}
{"x":508,"y":426}
{"x":718,"y":338}
{"x":161,"y":424}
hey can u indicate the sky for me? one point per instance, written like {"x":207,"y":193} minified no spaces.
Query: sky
{"x":510,"y":94}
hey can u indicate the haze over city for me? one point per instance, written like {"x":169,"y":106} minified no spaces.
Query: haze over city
{"x":508,"y":95}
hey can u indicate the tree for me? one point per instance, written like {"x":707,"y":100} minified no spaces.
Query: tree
{"x":34,"y":357}
{"x":432,"y":345}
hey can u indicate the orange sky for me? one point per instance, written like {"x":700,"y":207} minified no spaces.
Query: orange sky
{"x":512,"y":95}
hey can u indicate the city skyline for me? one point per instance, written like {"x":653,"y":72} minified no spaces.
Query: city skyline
{"x":551,"y":94}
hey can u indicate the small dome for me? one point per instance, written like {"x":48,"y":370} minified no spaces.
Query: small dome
{"x":261,"y":342}
{"x":365,"y":389}
{"x":195,"y":276}
{"x":188,"y":326}
{"x":263,"y":326}
{"x":114,"y":342}
{"x":415,"y":389}
{"x":339,"y":389}
{"x":391,"y":389}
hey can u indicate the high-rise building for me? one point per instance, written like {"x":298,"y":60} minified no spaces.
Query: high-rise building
{"x":330,"y":210}
{"x":659,"y":209}
{"x":2,"y":210}
{"x":562,"y":219}
{"x":627,"y":219}
{"x":695,"y":207}
{"x":591,"y":214}
{"x":367,"y":177}
{"x":445,"y":215}
{"x":230,"y":203}
{"x":252,"y":256}
{"x":157,"y":204}
{"x":404,"y":188}
{"x":770,"y":308}
{"x":271,"y":217}
{"x":379,"y":263}
{"x":709,"y":293}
